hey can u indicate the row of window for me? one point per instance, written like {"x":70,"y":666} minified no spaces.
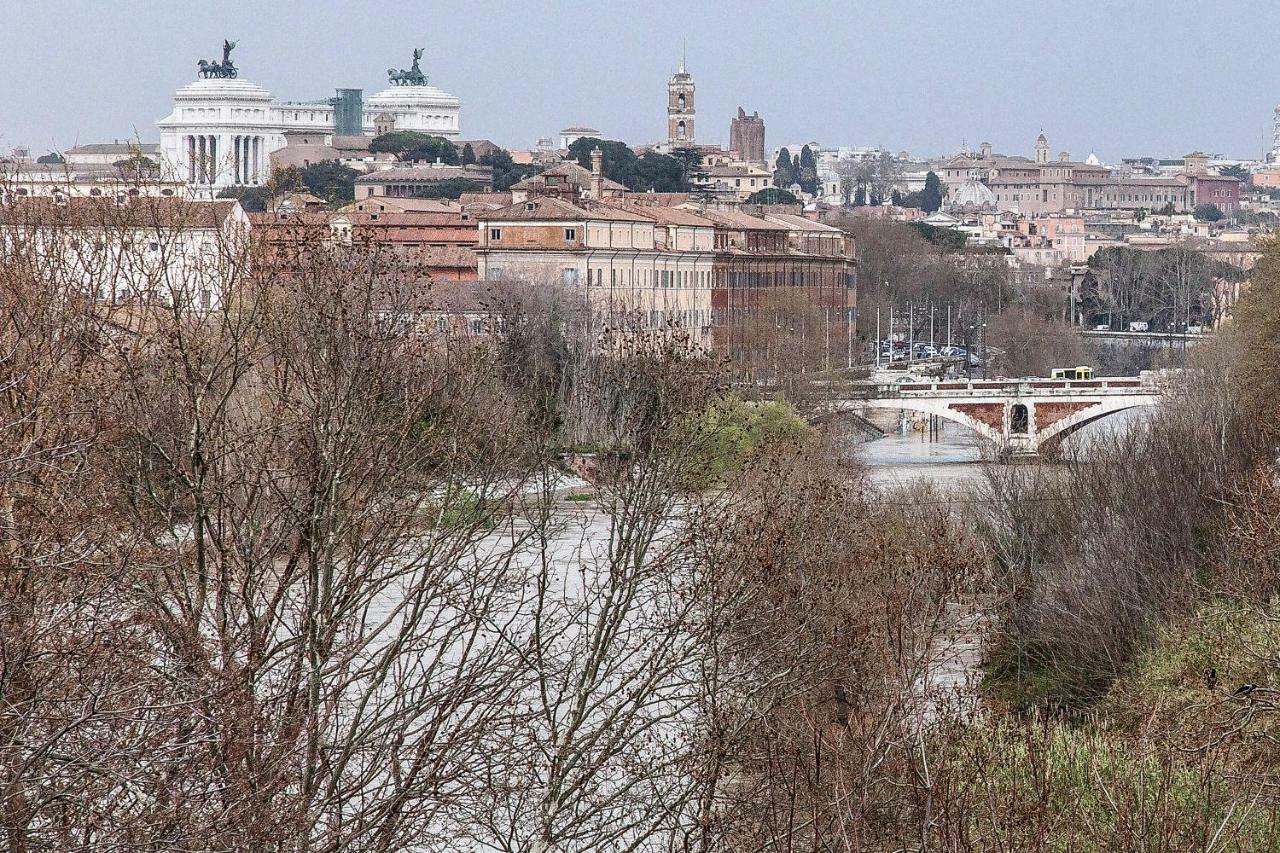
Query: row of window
{"x":645,"y":277}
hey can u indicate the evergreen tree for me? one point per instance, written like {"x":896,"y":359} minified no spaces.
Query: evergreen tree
{"x":807,"y":160}
{"x":807,"y":171}
{"x":505,"y":170}
{"x":331,"y":181}
{"x":468,"y":155}
{"x":784,"y":172}
{"x":860,"y":196}
{"x":931,"y":195}
{"x":620,"y":163}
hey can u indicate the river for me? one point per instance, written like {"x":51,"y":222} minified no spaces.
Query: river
{"x":953,"y":462}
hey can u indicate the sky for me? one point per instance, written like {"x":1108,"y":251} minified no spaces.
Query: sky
{"x":1117,"y":77}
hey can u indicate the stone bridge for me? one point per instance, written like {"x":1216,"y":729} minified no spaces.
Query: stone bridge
{"x":1023,"y":417}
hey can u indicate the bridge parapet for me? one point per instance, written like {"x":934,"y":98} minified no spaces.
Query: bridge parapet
{"x":1106,"y":386}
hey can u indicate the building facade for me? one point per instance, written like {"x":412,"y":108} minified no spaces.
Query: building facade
{"x":700,"y":270}
{"x":223,"y":129}
{"x":1044,"y":185}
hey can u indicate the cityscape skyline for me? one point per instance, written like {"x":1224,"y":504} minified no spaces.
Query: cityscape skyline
{"x":912,"y":81}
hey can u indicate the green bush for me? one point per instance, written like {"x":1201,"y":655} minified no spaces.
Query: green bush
{"x":726,"y":434}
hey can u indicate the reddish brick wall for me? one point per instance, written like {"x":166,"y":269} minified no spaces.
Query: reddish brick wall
{"x":991,"y":414}
{"x":1048,"y":414}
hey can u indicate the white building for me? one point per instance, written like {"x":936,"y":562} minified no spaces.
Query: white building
{"x":223,"y":129}
{"x":142,"y":251}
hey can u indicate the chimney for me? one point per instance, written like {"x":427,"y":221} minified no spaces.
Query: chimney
{"x":597,"y":174}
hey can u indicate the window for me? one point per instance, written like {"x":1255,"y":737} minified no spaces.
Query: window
{"x":495,"y":233}
{"x":570,"y":234}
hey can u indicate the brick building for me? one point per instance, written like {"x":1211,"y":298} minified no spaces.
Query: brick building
{"x":746,"y":137}
{"x":701,"y":269}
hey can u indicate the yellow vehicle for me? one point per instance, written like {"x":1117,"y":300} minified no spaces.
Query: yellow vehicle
{"x":1072,"y":373}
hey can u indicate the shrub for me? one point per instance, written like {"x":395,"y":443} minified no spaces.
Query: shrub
{"x":728,"y":433}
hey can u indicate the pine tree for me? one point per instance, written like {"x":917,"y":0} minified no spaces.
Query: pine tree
{"x":468,"y":155}
{"x":860,"y":196}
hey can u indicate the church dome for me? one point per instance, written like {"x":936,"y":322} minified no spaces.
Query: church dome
{"x":973,"y":195}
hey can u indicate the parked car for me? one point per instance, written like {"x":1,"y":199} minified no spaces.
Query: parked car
{"x":1139,"y":326}
{"x":953,"y":352}
{"x":1195,"y":330}
{"x":1102,"y":327}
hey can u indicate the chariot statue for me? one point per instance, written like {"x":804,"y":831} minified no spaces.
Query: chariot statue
{"x":225,"y":69}
{"x":412,"y":77}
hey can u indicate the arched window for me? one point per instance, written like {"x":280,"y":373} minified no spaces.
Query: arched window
{"x":680,"y":130}
{"x":680,"y":103}
{"x":1019,"y":419}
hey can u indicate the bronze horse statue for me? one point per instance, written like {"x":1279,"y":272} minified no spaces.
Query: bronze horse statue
{"x":226,"y":68}
{"x":412,"y":77}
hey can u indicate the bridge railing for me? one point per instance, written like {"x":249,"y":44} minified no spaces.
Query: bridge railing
{"x":1004,"y":387}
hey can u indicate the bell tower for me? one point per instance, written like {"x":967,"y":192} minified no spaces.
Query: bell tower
{"x":680,"y":110}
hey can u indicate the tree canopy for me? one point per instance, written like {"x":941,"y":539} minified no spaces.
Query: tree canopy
{"x":653,"y":171}
{"x":772,"y":195}
{"x":807,"y":174}
{"x":785,"y":172}
{"x":1208,"y":212}
{"x":252,"y":199}
{"x":331,"y":181}
{"x":451,"y":188}
{"x":931,"y":195}
{"x":52,"y":158}
{"x":412,"y":145}
{"x":505,"y":171}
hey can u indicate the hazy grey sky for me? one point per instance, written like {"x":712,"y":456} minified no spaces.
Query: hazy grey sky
{"x":1121,"y":78}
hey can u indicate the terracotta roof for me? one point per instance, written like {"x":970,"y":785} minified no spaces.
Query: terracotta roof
{"x":672,"y":215}
{"x":574,"y":175}
{"x":378,"y":203}
{"x":550,"y":207}
{"x":493,"y":201}
{"x":538,"y":207}
{"x":799,"y":223}
{"x":655,"y":199}
{"x":741,"y":221}
{"x":140,"y":212}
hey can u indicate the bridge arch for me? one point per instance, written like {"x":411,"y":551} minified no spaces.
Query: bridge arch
{"x":1097,"y":411}
{"x":1056,"y":433}
{"x":942,"y":410}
